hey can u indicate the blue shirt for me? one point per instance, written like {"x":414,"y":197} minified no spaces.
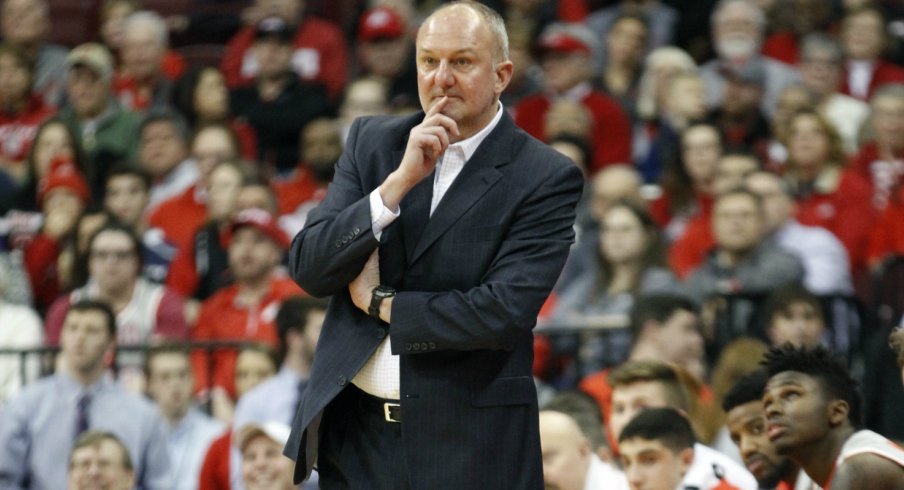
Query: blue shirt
{"x":37,"y":432}
{"x":188,"y":442}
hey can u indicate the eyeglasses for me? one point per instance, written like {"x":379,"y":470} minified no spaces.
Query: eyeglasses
{"x":119,"y":255}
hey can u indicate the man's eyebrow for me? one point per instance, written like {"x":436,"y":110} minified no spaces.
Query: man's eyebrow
{"x":454,"y":53}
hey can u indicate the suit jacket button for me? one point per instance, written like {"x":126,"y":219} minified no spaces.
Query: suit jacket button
{"x":344,"y":240}
{"x":357,"y":230}
{"x":423,"y":345}
{"x":338,"y":243}
{"x":407,"y":346}
{"x":341,"y":380}
{"x":416,"y":346}
{"x":432,"y":345}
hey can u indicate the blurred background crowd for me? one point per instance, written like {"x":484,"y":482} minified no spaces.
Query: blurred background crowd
{"x":743,"y":163}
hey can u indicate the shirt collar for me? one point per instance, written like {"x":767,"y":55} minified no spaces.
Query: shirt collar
{"x":469,"y":146}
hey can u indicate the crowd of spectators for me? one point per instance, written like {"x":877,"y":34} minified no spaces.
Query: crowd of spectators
{"x":743,"y":164}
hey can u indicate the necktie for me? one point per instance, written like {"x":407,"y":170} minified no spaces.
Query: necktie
{"x":82,"y":418}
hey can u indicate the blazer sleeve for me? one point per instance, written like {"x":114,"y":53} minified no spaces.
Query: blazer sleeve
{"x":331,"y":249}
{"x":496,"y":313}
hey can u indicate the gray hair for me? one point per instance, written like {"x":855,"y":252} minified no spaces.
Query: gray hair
{"x":818,"y":42}
{"x":755,"y":12}
{"x":665,"y":55}
{"x":493,"y":20}
{"x":150,"y":19}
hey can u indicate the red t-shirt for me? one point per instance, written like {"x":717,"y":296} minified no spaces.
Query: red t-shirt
{"x":17,"y":131}
{"x":610,"y":132}
{"x":180,"y":217}
{"x":320,"y":55}
{"x":222,"y":317}
{"x":215,"y":470}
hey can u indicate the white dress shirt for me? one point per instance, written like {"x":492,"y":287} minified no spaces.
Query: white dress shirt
{"x":380,"y":375}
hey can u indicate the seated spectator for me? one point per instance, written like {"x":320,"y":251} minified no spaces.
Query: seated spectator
{"x":321,"y":147}
{"x":255,"y":364}
{"x":792,"y":99}
{"x":743,"y":262}
{"x":863,"y":40}
{"x":586,"y":413}
{"x":53,"y":139}
{"x":664,"y":328}
{"x":813,"y":407}
{"x":794,"y":316}
{"x":663,"y":20}
{"x":20,"y":328}
{"x":630,"y":262}
{"x":21,"y":112}
{"x":624,"y":47}
{"x":682,"y":105}
{"x":106,"y":131}
{"x":659,"y":451}
{"x":567,"y":62}
{"x":738,"y":27}
{"x":569,"y":462}
{"x":163,"y":153}
{"x":202,"y":97}
{"x":100,"y":460}
{"x":743,"y":125}
{"x":113,"y":14}
{"x":202,"y":267}
{"x":526,"y":77}
{"x":140,"y":83}
{"x":64,"y":195}
{"x":820,"y":69}
{"x":319,"y":51}
{"x":189,"y":431}
{"x":39,"y":426}
{"x":881,"y":159}
{"x":828,"y":194}
{"x":687,"y":187}
{"x":366,"y":96}
{"x":127,"y":194}
{"x":277,"y":399}
{"x":247,"y":309}
{"x":182,"y":215}
{"x":26,"y":25}
{"x":144,"y":311}
{"x":638,"y":388}
{"x":385,"y":50}
{"x":746,"y":421}
{"x":792,"y":21}
{"x":660,"y":66}
{"x":275,"y":103}
{"x":823,"y":256}
{"x":263,"y":465}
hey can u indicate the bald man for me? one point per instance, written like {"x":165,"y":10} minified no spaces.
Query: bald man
{"x":569,"y":462}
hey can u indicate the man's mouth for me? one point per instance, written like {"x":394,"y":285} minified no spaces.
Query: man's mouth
{"x":774,"y":431}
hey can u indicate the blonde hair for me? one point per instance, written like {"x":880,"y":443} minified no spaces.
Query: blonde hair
{"x":659,"y":57}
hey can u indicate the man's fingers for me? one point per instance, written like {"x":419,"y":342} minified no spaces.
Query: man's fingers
{"x":437,"y":107}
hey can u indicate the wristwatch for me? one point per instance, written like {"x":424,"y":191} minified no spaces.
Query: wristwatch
{"x":380,"y":293}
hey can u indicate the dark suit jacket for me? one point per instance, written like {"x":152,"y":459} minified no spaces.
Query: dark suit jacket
{"x":471,"y":280}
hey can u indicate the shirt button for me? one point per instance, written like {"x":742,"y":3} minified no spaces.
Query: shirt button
{"x":416,"y":346}
{"x":341,"y":380}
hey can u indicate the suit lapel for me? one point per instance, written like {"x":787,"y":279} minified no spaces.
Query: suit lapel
{"x":415,"y":210}
{"x":476,"y":178}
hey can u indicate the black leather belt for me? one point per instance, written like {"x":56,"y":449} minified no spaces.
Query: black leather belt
{"x":389,"y":410}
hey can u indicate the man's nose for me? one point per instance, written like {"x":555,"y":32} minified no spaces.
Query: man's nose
{"x":444,"y":76}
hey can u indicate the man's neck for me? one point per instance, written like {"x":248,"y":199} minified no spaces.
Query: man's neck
{"x":118,"y":298}
{"x":86,"y":377}
{"x":173,"y":419}
{"x":252,"y":290}
{"x":270,"y":87}
{"x":818,"y":459}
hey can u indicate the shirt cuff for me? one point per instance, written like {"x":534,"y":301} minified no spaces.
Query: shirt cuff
{"x":380,"y":215}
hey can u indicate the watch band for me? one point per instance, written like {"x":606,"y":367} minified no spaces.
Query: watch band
{"x":380,"y":293}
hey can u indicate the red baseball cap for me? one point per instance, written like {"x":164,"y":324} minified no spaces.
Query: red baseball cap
{"x":260,"y":219}
{"x":562,"y":42}
{"x":380,"y":23}
{"x":63,"y":174}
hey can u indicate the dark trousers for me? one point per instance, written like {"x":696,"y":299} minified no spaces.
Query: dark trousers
{"x":358,"y":448}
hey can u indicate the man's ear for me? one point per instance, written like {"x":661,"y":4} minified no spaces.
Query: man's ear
{"x":837,"y":412}
{"x":504,"y":72}
{"x":686,"y":456}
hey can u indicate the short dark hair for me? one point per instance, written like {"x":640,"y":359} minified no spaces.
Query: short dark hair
{"x":658,"y":308}
{"x":167,"y":116}
{"x":116,"y":226}
{"x":742,"y":191}
{"x":644,"y":371}
{"x":293,"y":314}
{"x":94,"y":438}
{"x":665,"y":425}
{"x":748,"y":388}
{"x":781,"y":300}
{"x":829,"y":370}
{"x":121,"y":169}
{"x":95,"y":305}
{"x":164,"y":349}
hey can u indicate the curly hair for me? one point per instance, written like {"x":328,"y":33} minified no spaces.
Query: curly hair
{"x":830,"y":371}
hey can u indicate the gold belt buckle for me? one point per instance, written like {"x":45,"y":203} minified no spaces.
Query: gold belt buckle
{"x":387,"y":412}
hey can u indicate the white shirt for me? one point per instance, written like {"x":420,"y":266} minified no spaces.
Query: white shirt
{"x":187,"y":443}
{"x":860,"y":74}
{"x":20,"y":328}
{"x":825,"y":260}
{"x":711,"y":466}
{"x":380,"y":375}
{"x":602,"y":475}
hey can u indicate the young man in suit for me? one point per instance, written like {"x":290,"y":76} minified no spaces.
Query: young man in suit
{"x":439,"y":239}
